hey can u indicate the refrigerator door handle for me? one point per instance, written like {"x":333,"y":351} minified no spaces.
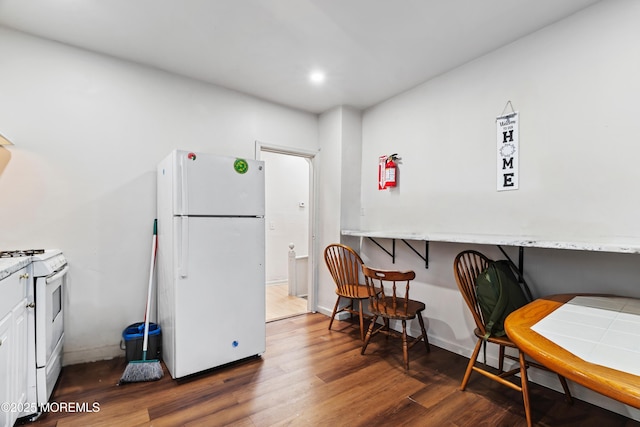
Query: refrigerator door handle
{"x":183,"y":187}
{"x":183,"y":250}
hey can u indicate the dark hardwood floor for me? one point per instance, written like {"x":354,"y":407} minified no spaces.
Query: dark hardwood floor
{"x":310,"y":376}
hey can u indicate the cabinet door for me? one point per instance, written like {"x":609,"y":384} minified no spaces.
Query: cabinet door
{"x":6,"y":355}
{"x":19,"y":349}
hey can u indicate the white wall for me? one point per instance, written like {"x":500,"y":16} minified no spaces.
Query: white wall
{"x":351,"y":160}
{"x":339,"y":137}
{"x":88,"y":133}
{"x":575,"y":84}
{"x":328,"y":199}
{"x":287,"y":185}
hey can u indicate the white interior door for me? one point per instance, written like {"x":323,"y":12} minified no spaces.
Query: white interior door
{"x":262,"y":152}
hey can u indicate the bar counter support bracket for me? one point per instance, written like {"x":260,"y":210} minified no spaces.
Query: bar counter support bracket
{"x":392,"y":254}
{"x":425,"y":258}
{"x":520,"y":260}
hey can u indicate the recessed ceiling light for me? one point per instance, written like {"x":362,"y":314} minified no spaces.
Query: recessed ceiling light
{"x":317,"y":77}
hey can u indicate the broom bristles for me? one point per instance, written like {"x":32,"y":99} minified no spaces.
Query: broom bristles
{"x":142,"y":370}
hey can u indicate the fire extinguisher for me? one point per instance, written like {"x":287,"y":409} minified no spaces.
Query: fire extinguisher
{"x":391,"y":171}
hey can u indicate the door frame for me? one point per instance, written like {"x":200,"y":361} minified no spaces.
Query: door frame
{"x":310,"y":156}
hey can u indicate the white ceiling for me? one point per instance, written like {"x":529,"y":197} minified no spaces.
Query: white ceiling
{"x":370,"y":50}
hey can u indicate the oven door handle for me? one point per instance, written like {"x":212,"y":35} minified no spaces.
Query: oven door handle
{"x":57,"y":275}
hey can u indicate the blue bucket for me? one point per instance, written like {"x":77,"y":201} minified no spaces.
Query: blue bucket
{"x":133,"y":338}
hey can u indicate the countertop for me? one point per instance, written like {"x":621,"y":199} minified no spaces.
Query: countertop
{"x":620,"y":245}
{"x":8,"y":266}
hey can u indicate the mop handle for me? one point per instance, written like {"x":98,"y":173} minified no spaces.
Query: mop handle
{"x":154,"y":244}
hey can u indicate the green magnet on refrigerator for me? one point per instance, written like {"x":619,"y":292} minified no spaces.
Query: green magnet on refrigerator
{"x":241,"y":166}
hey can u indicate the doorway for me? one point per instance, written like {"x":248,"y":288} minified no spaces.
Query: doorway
{"x":289,"y":230}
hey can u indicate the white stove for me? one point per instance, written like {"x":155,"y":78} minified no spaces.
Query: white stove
{"x":48,"y":262}
{"x":45,"y":322}
{"x":49,"y":278}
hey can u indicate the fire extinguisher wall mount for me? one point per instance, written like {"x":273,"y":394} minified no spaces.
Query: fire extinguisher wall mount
{"x":388,"y":171}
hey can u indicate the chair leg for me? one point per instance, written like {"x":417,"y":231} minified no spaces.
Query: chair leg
{"x":500,"y":359}
{"x":361,"y":321}
{"x":525,"y":388}
{"x":405,"y":346}
{"x":424,"y":332}
{"x":565,"y":387}
{"x":386,"y":326}
{"x":335,"y":308}
{"x":369,"y":332}
{"x":472,"y":362}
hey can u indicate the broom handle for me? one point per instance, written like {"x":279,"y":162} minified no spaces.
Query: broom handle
{"x":154,"y":245}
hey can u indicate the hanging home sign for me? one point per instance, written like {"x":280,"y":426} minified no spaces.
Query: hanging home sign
{"x":507,"y":151}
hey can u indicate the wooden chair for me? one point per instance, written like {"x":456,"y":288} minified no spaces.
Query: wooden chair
{"x":466,"y":268}
{"x":389,"y":299}
{"x":345,"y":266}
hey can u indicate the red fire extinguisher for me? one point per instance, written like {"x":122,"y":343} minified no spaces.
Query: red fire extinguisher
{"x":390,"y":171}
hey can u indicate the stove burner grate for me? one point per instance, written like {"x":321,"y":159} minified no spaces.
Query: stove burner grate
{"x":19,"y":253}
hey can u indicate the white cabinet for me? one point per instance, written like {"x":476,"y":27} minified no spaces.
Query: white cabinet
{"x":6,"y":355}
{"x":20,"y":353}
{"x":13,"y":345}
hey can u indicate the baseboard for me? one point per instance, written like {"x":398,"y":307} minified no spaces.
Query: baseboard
{"x":328,"y":311}
{"x":74,"y":357}
{"x":277,"y":283}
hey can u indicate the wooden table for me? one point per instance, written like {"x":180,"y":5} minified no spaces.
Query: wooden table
{"x":618,"y":385}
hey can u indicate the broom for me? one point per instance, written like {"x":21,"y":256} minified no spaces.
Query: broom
{"x":145,"y":370}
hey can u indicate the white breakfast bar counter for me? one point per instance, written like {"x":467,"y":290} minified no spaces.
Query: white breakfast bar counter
{"x":619,"y":245}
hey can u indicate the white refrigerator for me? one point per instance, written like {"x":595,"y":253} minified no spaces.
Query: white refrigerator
{"x":210,"y":260}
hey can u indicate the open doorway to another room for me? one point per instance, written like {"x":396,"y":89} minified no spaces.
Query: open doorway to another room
{"x":287,"y":220}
